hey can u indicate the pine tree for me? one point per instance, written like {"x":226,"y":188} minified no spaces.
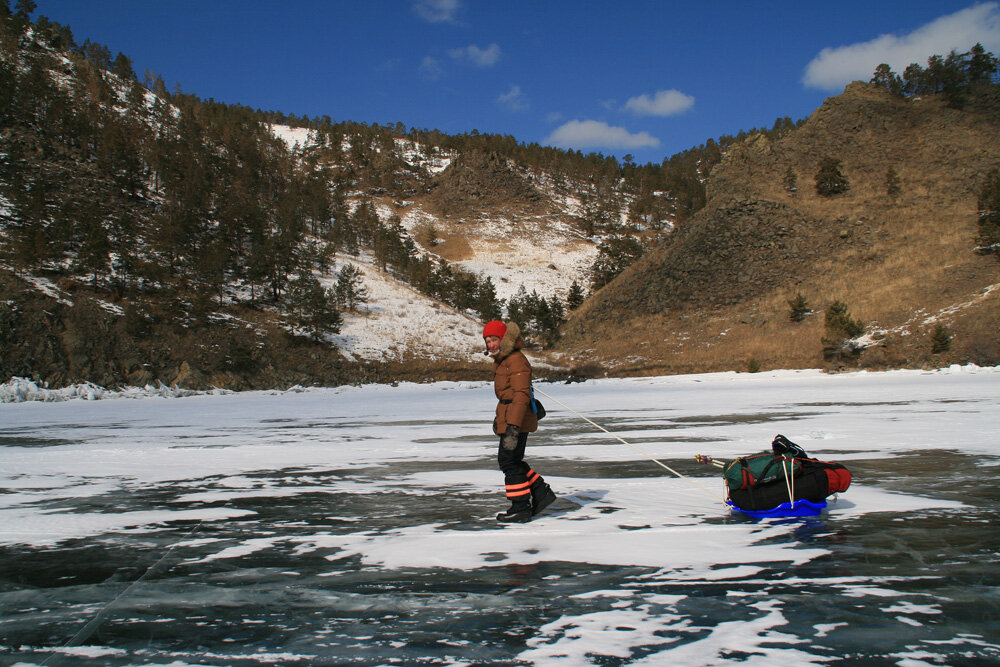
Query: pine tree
{"x":886,"y":78}
{"x":8,"y":81}
{"x":575,"y":297}
{"x":913,"y":79}
{"x":829,"y":180}
{"x":314,"y":308}
{"x":790,"y":180}
{"x":989,"y":212}
{"x":488,"y":306}
{"x":799,"y":308}
{"x":840,"y":328}
{"x":159,"y":87}
{"x":93,"y":255}
{"x":940,"y":339}
{"x":350,"y":291}
{"x":614,"y":254}
{"x":518,"y":306}
{"x":892,"y":187}
{"x":550,"y":318}
{"x":23,"y":9}
{"x":601,"y":213}
{"x":122,"y":66}
{"x":839,"y":322}
{"x":539,"y":322}
{"x":366,"y":221}
{"x":98,"y":54}
{"x":122,"y":235}
{"x":982,"y":65}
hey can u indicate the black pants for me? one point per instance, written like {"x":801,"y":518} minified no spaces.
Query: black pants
{"x":518,"y":477}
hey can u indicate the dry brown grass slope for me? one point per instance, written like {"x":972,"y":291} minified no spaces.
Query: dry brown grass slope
{"x":714,"y":295}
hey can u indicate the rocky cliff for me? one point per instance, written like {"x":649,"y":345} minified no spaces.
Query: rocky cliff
{"x":714,"y":295}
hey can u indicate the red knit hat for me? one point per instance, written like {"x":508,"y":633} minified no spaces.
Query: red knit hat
{"x":495,"y":328}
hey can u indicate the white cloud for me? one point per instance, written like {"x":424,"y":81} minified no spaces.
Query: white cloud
{"x":663,"y":103}
{"x":481,"y":57}
{"x":597,"y":134}
{"x":430,"y":68}
{"x":833,"y":68}
{"x":514,"y":99}
{"x":437,"y":11}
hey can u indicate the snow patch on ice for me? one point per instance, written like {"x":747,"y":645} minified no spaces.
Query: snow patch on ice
{"x":26,"y":524}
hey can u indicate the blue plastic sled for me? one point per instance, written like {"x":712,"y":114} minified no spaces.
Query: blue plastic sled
{"x":799,"y":508}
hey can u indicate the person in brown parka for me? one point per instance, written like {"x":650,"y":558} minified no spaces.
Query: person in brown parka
{"x":527,"y":491}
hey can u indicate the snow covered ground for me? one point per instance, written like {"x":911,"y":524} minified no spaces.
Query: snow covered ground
{"x":398,"y":321}
{"x":355,"y":526}
{"x":547,"y":257}
{"x":296,"y":138}
{"x":544,"y":255}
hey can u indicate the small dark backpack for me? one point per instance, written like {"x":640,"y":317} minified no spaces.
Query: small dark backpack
{"x":536,"y":406}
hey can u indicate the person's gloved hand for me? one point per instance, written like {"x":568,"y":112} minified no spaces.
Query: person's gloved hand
{"x":509,"y":440}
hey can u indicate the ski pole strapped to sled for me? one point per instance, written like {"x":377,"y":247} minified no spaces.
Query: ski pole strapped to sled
{"x":784,"y":482}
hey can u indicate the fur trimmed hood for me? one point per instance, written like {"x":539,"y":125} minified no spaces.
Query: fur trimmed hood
{"x":511,"y":341}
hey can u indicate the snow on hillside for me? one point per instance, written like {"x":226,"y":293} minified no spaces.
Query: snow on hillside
{"x":921,"y":319}
{"x":543,"y":254}
{"x":294,"y":137}
{"x":411,"y":152}
{"x":543,"y":260}
{"x":567,"y":201}
{"x":415,"y":155}
{"x":398,"y":322}
{"x":40,"y":284}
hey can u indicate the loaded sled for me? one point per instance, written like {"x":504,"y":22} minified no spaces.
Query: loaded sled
{"x":784,"y":482}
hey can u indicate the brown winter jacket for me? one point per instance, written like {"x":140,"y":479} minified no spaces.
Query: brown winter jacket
{"x":512,"y":384}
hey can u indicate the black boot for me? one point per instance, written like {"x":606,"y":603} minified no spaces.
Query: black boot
{"x":519,"y":512}
{"x":541,"y":497}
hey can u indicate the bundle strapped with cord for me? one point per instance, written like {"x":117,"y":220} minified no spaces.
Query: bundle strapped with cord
{"x":757,"y":486}
{"x":625,"y":442}
{"x":787,"y":469}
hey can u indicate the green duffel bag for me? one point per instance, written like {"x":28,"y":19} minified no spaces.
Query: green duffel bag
{"x":747,"y":472}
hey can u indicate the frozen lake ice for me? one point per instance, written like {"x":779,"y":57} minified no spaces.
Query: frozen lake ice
{"x":355,"y":526}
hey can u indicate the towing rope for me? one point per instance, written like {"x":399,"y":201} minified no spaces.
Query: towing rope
{"x":625,"y":442}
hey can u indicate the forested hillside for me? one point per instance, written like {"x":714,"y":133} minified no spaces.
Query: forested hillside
{"x":149,"y":235}
{"x":153,"y":236}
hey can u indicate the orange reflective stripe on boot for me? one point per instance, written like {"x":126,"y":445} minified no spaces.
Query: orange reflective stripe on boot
{"x":518,"y":490}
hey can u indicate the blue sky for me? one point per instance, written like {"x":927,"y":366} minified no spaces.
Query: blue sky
{"x":629,"y":77}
